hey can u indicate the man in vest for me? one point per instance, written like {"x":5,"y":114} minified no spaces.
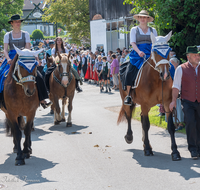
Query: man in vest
{"x":187,"y":80}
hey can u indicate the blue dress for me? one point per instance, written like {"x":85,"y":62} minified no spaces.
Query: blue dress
{"x":4,"y":69}
{"x":135,"y":59}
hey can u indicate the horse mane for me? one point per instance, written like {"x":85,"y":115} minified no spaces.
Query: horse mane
{"x":12,"y":67}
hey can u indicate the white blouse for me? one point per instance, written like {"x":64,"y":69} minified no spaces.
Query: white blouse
{"x":6,"y":37}
{"x":133,"y":33}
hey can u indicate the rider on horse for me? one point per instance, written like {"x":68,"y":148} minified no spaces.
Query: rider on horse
{"x":20,"y":39}
{"x":141,"y":43}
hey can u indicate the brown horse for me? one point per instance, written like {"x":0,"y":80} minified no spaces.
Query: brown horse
{"x":21,"y":99}
{"x":62,"y":86}
{"x":155,"y":87}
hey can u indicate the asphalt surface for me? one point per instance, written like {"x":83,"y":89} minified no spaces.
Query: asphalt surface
{"x":93,"y":155}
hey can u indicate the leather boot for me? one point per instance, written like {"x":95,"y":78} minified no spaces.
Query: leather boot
{"x":128,"y":101}
{"x":77,"y":87}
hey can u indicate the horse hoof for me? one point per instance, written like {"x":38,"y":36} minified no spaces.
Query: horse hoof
{"x":176,"y":156}
{"x":57,"y":122}
{"x":26,"y":155}
{"x":148,"y":152}
{"x":129,"y":139}
{"x":63,"y":120}
{"x":19,"y":162}
{"x":69,"y":124}
{"x":14,"y":150}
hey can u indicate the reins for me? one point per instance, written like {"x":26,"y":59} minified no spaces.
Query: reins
{"x":59,"y":82}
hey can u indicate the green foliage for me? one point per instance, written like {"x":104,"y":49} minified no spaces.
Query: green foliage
{"x":180,"y":16}
{"x":154,"y":118}
{"x":37,"y":34}
{"x":74,"y":14}
{"x":7,"y":9}
{"x":2,"y":33}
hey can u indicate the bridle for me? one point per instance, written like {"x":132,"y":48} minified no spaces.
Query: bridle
{"x":22,"y":80}
{"x":68,"y":74}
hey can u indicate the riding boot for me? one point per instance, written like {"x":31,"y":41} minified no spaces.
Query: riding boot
{"x":128,"y":99}
{"x":77,"y":87}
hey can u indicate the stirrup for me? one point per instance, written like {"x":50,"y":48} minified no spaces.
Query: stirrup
{"x":128,"y":101}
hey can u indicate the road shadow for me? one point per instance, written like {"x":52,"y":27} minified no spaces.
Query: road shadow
{"x":31,"y":172}
{"x":75,"y":129}
{"x":185,"y":167}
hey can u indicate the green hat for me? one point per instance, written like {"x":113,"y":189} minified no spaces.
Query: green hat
{"x":15,"y":17}
{"x":192,"y":49}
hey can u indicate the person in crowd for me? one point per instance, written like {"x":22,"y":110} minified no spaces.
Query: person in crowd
{"x":89,"y":73}
{"x":41,"y":62}
{"x":59,"y":47}
{"x":141,"y":43}
{"x":109,"y":59}
{"x":20,"y":39}
{"x":75,"y":64}
{"x":84,"y":64}
{"x":122,"y":59}
{"x":119,"y":51}
{"x":115,"y":71}
{"x":98,"y":67}
{"x":126,"y":52}
{"x":187,"y":81}
{"x":105,"y":71}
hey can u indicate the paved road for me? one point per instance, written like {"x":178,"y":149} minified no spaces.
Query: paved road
{"x":67,"y":158}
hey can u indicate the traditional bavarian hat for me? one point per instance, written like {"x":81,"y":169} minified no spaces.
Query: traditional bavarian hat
{"x":15,"y":17}
{"x":143,"y":13}
{"x":192,"y":49}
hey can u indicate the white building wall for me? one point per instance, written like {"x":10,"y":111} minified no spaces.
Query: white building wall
{"x":98,"y":34}
{"x":29,"y":28}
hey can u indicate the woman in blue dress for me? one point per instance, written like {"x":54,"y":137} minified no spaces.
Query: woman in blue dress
{"x":141,"y":43}
{"x":20,"y":39}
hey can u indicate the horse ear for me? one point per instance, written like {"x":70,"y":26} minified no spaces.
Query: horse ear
{"x":153,"y":38}
{"x":168,"y":36}
{"x":59,"y":55}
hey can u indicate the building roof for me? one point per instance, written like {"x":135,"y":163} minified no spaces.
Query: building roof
{"x":29,"y":6}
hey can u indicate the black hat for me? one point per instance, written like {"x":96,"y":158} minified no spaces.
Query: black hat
{"x":15,"y":17}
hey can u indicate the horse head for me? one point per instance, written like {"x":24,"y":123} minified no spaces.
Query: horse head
{"x":25,"y":71}
{"x":49,"y":60}
{"x":64,"y":67}
{"x":160,"y":54}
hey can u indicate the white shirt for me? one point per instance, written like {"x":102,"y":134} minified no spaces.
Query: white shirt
{"x":178,"y":76}
{"x":53,"y":51}
{"x":133,"y":33}
{"x":6,"y":37}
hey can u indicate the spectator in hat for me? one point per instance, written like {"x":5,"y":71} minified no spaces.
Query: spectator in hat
{"x":187,"y":81}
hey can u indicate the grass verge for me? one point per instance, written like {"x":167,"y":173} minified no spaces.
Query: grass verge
{"x":154,"y":118}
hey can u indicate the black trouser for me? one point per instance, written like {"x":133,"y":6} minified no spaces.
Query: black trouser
{"x":192,"y":120}
{"x":42,"y":89}
{"x":130,"y":75}
{"x":48,"y":74}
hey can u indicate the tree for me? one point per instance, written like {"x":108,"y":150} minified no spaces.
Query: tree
{"x":37,"y":34}
{"x":7,"y":9}
{"x":180,"y":16}
{"x":74,"y":14}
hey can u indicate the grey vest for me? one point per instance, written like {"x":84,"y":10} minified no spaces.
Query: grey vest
{"x":19,"y":43}
{"x":142,"y":39}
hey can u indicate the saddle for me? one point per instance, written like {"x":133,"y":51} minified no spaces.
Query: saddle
{"x":122,"y":73}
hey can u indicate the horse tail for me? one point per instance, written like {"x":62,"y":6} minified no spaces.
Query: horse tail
{"x":123,"y":115}
{"x":12,"y":67}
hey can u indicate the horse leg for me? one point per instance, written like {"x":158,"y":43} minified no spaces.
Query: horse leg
{"x":27,"y":143}
{"x":171,"y":129}
{"x":17,"y":139}
{"x":57,"y":116}
{"x":128,"y":113}
{"x":63,"y":109}
{"x":69,"y":119}
{"x":145,"y":128}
